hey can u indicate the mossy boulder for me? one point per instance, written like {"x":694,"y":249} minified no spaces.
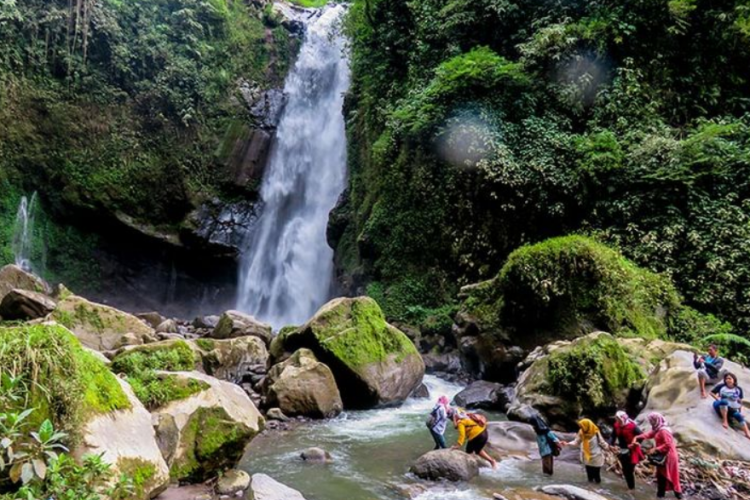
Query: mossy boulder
{"x":568,"y":286}
{"x":302,"y":385}
{"x":234,"y":324}
{"x":208,"y":431}
{"x":98,"y":326}
{"x":231,"y":359}
{"x":592,"y":376}
{"x":63,"y":381}
{"x":373,"y":362}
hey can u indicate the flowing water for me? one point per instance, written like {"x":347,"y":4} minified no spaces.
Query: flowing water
{"x":287,"y":266}
{"x":23,"y":232}
{"x":372,"y":451}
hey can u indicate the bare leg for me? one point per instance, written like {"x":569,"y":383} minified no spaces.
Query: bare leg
{"x":747,"y":432}
{"x":724,"y":417}
{"x":487,"y":457}
{"x":702,"y":385}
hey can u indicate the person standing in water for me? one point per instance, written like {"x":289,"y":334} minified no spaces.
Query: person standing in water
{"x":472,"y":427}
{"x":668,"y":465}
{"x":592,"y":445}
{"x":547,"y":442}
{"x":438,"y":421}
{"x":629,"y":455}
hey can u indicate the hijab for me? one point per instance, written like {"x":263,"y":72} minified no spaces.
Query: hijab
{"x":587,"y":433}
{"x":539,"y":425}
{"x":443,"y":400}
{"x":623,"y":418}
{"x":657,"y":421}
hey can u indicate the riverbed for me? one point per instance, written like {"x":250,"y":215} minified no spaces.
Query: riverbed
{"x":372,"y":451}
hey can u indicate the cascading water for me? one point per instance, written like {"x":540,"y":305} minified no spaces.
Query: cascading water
{"x":287,"y":266}
{"x":23,"y":231}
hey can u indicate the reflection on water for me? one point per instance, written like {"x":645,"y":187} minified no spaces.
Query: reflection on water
{"x":372,"y":451}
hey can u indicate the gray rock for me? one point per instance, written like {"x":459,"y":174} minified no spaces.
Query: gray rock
{"x":13,"y":277}
{"x":421,"y":392}
{"x":167,"y":326}
{"x":263,"y":487}
{"x":453,"y":465}
{"x":571,"y":492}
{"x":220,"y":228}
{"x":267,"y":108}
{"x":276,"y":414}
{"x":208,"y":322}
{"x":233,"y":482}
{"x":480,"y":394}
{"x":315,"y":455}
{"x":235,"y":324}
{"x":449,"y":362}
{"x":153,"y":319}
{"x":25,"y":305}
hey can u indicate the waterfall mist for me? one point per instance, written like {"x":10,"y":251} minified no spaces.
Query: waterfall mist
{"x":23,"y":232}
{"x":287,"y":266}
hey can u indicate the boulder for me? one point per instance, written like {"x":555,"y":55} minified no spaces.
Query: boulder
{"x":152,"y":318}
{"x":208,"y":431}
{"x":276,"y":414}
{"x":421,"y":392}
{"x":555,"y":382}
{"x":263,"y":487}
{"x":207,"y":322}
{"x":233,"y":324}
{"x":233,"y":482}
{"x":302,"y":385}
{"x":232,"y":359}
{"x":167,"y":326}
{"x":373,"y":362}
{"x":673,"y":391}
{"x":13,"y":277}
{"x":571,"y":492}
{"x":126,"y":440}
{"x":97,"y":326}
{"x":318,"y":455}
{"x":481,"y":394}
{"x":519,"y":440}
{"x":449,"y":362}
{"x":25,"y":305}
{"x":453,"y":465}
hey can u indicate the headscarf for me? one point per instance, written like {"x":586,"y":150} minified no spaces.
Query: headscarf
{"x":657,"y":421}
{"x":443,"y":400}
{"x":587,"y":433}
{"x":539,"y":425}
{"x":623,"y":418}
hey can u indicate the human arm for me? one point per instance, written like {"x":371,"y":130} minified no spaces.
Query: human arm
{"x":716,"y":392}
{"x":666,"y":445}
{"x":645,"y":435}
{"x":697,"y":361}
{"x":461,"y":435}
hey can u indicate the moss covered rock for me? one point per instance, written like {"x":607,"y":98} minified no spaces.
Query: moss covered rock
{"x":592,"y":376}
{"x":63,"y":381}
{"x":208,"y":431}
{"x":302,"y":385}
{"x":373,"y":362}
{"x":567,"y":286}
{"x":231,"y":359}
{"x":234,"y":324}
{"x":97,"y":326}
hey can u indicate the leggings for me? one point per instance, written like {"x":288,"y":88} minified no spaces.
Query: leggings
{"x":628,"y":470}
{"x":661,"y":487}
{"x":594,"y":474}
{"x":439,"y":440}
{"x":548,"y":464}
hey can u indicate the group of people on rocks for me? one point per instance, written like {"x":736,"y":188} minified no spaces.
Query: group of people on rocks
{"x":624,"y":440}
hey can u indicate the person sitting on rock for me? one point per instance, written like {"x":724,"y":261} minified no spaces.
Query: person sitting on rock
{"x":728,"y":404}
{"x":668,"y":471}
{"x":629,"y":455}
{"x":709,"y":368}
{"x":470,"y":425}
{"x":548,"y":443}
{"x":592,"y":449}
{"x":438,"y":421}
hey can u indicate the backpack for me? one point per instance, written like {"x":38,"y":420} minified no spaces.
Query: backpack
{"x":432,"y":419}
{"x":555,"y":446}
{"x":478,"y":419}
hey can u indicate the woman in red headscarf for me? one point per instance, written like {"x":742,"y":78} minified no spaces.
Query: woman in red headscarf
{"x":668,"y":472}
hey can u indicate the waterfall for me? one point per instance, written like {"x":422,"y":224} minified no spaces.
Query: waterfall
{"x":287,"y":266}
{"x":23,"y":232}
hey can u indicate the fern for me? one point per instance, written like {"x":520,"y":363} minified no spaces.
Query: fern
{"x":724,"y":338}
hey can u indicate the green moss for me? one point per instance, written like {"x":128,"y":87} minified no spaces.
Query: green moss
{"x":205,"y":344}
{"x":140,"y":472}
{"x":168,"y":356}
{"x":65,"y":382}
{"x":355,"y":332}
{"x":155,"y":390}
{"x":595,"y":373}
{"x":212,"y":442}
{"x":562,"y":283}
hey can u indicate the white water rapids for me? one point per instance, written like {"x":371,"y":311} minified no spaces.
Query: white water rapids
{"x":287,"y":266}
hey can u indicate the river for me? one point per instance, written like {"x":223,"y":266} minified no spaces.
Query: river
{"x":372,"y":451}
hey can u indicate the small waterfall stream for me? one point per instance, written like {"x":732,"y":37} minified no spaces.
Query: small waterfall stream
{"x":287,"y":266}
{"x":23,"y":232}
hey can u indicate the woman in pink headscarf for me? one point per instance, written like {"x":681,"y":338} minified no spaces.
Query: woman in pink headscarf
{"x":438,"y":421}
{"x":668,"y":473}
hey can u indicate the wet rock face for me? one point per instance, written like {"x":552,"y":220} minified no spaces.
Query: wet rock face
{"x":221,"y":227}
{"x":267,"y":107}
{"x":451,"y":465}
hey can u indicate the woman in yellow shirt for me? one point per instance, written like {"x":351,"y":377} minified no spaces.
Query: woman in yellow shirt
{"x":477,"y":436}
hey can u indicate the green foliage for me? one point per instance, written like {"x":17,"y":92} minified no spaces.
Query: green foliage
{"x":562,"y":282}
{"x":593,"y":373}
{"x":155,"y":391}
{"x":64,"y":383}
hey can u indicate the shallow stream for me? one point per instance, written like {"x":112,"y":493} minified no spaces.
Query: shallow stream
{"x":372,"y":451}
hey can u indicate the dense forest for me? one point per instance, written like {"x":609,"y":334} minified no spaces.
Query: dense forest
{"x":477,"y":126}
{"x":117,"y":110}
